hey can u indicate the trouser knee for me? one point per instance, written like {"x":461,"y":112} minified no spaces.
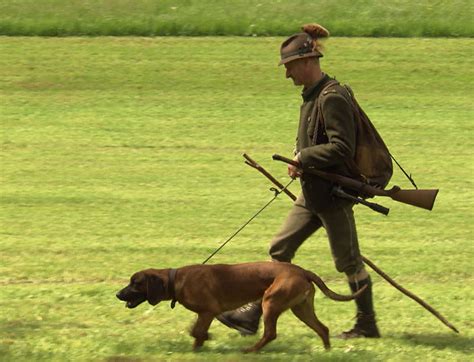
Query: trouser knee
{"x":297,"y":227}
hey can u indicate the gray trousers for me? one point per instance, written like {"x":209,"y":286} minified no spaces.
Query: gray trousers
{"x":340,"y":227}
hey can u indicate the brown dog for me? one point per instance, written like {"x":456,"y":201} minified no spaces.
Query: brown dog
{"x":210,"y":290}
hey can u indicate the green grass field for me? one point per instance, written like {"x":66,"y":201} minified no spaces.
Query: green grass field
{"x":124,"y":153}
{"x":405,"y":18}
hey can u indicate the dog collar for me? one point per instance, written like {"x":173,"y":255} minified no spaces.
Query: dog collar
{"x":171,"y":290}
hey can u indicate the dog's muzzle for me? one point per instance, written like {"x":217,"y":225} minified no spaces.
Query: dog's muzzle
{"x":132,"y":299}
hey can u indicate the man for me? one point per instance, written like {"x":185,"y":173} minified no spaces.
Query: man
{"x":326,"y":139}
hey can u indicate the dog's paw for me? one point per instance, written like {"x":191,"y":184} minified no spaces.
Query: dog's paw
{"x":197,"y":347}
{"x":198,"y":343}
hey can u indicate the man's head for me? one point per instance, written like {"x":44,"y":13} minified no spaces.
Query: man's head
{"x":300,"y":54}
{"x":301,"y":71}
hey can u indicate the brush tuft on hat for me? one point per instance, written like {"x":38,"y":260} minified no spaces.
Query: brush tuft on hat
{"x":316,"y":31}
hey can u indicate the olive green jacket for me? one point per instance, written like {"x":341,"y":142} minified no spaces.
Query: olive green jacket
{"x":335,"y":143}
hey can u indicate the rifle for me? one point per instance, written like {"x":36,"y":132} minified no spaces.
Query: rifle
{"x":420,"y":198}
{"x":337,"y":191}
{"x":249,"y":161}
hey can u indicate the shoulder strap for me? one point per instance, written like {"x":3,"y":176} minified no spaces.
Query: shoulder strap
{"x":317,"y":110}
{"x":348,"y":95}
{"x":326,"y":90}
{"x":350,"y":162}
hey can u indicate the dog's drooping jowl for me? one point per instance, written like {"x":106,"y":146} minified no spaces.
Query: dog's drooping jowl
{"x":209,"y":290}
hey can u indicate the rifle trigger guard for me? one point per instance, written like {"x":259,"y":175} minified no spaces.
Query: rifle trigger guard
{"x":277,"y":192}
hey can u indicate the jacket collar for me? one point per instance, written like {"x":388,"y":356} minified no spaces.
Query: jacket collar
{"x":313,"y":91}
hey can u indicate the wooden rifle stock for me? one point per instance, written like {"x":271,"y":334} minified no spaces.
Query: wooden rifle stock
{"x":420,"y":198}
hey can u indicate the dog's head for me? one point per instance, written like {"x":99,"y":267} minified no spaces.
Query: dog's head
{"x":144,"y":285}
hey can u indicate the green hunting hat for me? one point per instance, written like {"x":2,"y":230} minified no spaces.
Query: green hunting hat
{"x":303,"y":45}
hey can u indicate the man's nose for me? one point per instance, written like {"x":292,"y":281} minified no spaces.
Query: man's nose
{"x":287,"y":74}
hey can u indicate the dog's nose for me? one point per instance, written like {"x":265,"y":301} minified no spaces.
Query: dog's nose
{"x":118,"y":295}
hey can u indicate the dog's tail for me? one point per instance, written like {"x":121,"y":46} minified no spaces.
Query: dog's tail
{"x":328,"y":292}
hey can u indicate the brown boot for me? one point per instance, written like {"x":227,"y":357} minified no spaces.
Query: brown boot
{"x":365,"y":325}
{"x":244,"y":319}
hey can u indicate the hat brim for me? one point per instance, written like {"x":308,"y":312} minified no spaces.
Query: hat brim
{"x":298,"y":56}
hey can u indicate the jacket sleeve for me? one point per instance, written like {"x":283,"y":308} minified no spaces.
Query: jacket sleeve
{"x":340,"y":130}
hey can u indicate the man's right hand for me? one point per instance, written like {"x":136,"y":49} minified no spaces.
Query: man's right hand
{"x":294,"y":171}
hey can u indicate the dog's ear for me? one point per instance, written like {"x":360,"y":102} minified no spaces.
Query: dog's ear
{"x":155,"y":289}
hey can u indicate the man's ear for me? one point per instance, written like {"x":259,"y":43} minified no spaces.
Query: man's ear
{"x":155,"y":289}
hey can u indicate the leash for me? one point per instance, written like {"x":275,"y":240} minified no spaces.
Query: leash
{"x":277,"y":192}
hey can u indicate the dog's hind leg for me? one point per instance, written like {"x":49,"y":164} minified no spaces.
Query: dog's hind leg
{"x":273,"y":304}
{"x":200,"y":328}
{"x":305,"y":312}
{"x":270,"y":318}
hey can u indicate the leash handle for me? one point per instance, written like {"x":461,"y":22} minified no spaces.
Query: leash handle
{"x":252,"y":163}
{"x":277,"y":157}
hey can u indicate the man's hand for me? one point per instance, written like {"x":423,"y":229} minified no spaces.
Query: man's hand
{"x":294,"y":171}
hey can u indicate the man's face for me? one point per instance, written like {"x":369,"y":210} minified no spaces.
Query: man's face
{"x":296,"y":70}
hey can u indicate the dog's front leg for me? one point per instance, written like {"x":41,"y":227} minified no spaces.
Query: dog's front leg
{"x":200,"y":328}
